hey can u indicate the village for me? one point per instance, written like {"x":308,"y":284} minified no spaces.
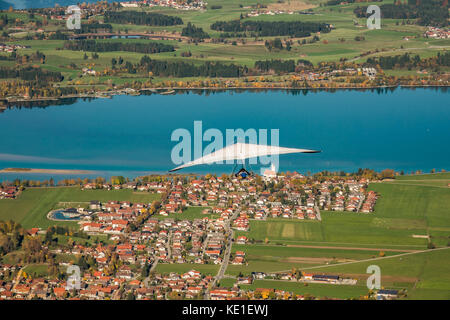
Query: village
{"x":9,"y":192}
{"x":141,"y":236}
{"x":437,"y":33}
{"x":179,"y":5}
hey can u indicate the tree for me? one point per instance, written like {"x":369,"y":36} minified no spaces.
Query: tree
{"x":387,"y":173}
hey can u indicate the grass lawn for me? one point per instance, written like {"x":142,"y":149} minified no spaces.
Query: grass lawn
{"x":63,"y":239}
{"x":191,"y":213}
{"x":32,"y":206}
{"x":227,"y":282}
{"x":206,"y":269}
{"x":37,"y":270}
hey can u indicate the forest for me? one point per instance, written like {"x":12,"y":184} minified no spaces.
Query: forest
{"x":406,"y":61}
{"x":194,"y":32}
{"x":282,"y":66}
{"x":95,"y":46}
{"x":141,"y":18}
{"x":270,"y":28}
{"x":276,"y":65}
{"x":30,"y":73}
{"x":425,"y":12}
{"x":183,"y":69}
{"x":94,"y":27}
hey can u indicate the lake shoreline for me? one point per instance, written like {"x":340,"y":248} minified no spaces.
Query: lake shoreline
{"x":168,"y":91}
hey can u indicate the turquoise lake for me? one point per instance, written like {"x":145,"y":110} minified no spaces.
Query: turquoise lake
{"x":403,"y":130}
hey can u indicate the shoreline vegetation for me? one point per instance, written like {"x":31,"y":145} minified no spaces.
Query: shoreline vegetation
{"x":46,"y":171}
{"x":175,"y":90}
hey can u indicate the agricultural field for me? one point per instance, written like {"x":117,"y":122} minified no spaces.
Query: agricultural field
{"x":31,"y":207}
{"x":425,"y":274}
{"x":275,"y":258}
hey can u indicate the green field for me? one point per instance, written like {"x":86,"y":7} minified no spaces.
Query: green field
{"x":285,"y":229}
{"x":32,"y":206}
{"x":272,"y":258}
{"x":37,"y":270}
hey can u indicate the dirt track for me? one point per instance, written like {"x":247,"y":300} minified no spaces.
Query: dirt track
{"x":350,"y":248}
{"x":313,"y":260}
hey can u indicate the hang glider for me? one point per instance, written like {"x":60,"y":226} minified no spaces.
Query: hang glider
{"x":241,"y":151}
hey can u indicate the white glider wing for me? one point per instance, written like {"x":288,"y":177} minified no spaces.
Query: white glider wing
{"x":241,"y":151}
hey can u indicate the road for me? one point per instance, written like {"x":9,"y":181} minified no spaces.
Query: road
{"x":226,"y":256}
{"x":17,"y":280}
{"x":169,"y":249}
{"x":360,"y":203}
{"x":319,"y":217}
{"x":152,"y":268}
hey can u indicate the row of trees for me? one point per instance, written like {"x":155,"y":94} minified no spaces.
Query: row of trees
{"x":271,"y":28}
{"x":95,"y":46}
{"x":141,"y":18}
{"x":274,"y":44}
